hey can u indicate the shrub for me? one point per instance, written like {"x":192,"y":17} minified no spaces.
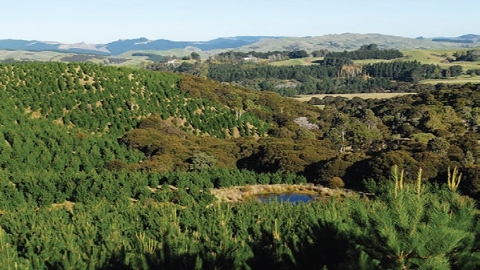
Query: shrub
{"x":336,"y":182}
{"x":201,"y":161}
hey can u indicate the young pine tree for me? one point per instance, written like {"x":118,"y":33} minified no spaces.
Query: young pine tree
{"x":414,"y":226}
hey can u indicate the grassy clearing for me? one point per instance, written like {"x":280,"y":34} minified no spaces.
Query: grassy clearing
{"x":458,"y":80}
{"x":439,"y":57}
{"x":428,"y":56}
{"x":297,"y":62}
{"x":370,"y":61}
{"x":304,"y":98}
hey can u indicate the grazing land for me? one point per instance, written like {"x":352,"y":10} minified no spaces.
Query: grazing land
{"x":457,"y":80}
{"x":440,"y":57}
{"x":298,"y":61}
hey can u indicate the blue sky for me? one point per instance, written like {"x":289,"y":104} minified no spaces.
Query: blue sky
{"x":102,"y":21}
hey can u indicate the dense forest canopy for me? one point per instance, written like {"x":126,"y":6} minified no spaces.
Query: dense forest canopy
{"x":104,"y":167}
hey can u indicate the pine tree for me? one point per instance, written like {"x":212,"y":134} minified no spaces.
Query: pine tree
{"x":412,"y":225}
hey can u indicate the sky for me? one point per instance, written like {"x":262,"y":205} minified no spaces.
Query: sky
{"x":104,"y":21}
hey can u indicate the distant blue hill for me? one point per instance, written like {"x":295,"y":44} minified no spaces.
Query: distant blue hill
{"x":35,"y":45}
{"x":121,"y":46}
{"x":29,"y":45}
{"x":322,"y":42}
{"x":469,"y":38}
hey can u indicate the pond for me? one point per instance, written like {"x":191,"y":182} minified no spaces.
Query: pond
{"x":287,"y":197}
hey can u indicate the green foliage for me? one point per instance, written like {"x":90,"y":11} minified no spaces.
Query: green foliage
{"x":469,"y":55}
{"x":343,"y":166}
{"x":410,"y":227}
{"x":381,"y":164}
{"x":438,"y":145}
{"x":370,"y":51}
{"x":101,"y":93}
{"x":94,"y":174}
{"x":201,"y":161}
{"x":454,"y":178}
{"x":423,"y":138}
{"x":181,"y":228}
{"x":8,"y":255}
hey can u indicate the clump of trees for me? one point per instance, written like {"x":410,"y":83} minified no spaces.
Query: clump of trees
{"x":370,"y":51}
{"x":236,"y":57}
{"x":469,"y":55}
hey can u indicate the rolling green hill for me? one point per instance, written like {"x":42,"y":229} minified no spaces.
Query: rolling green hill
{"x":97,"y":102}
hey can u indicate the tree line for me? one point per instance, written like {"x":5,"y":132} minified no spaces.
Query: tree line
{"x":370,"y":51}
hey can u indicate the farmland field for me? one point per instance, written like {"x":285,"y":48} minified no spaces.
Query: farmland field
{"x":439,"y":57}
{"x":371,"y":61}
{"x":458,"y":80}
{"x":297,"y":61}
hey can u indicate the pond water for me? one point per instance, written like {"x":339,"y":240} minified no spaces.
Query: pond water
{"x":287,"y":197}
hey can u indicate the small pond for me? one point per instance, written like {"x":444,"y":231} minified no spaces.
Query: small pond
{"x":287,"y":197}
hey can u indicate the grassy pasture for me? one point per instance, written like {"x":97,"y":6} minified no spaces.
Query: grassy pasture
{"x":439,"y":57}
{"x":370,"y":61}
{"x":428,"y":56}
{"x":458,"y":80}
{"x":305,"y":98}
{"x":297,"y":61}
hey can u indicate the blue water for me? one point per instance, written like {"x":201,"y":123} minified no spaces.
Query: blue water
{"x":287,"y":197}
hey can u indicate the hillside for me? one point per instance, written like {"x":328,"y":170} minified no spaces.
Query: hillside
{"x":105,"y":102}
{"x":167,"y":122}
{"x":122,"y":46}
{"x":113,"y":168}
{"x":349,"y":41}
{"x":338,"y":42}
